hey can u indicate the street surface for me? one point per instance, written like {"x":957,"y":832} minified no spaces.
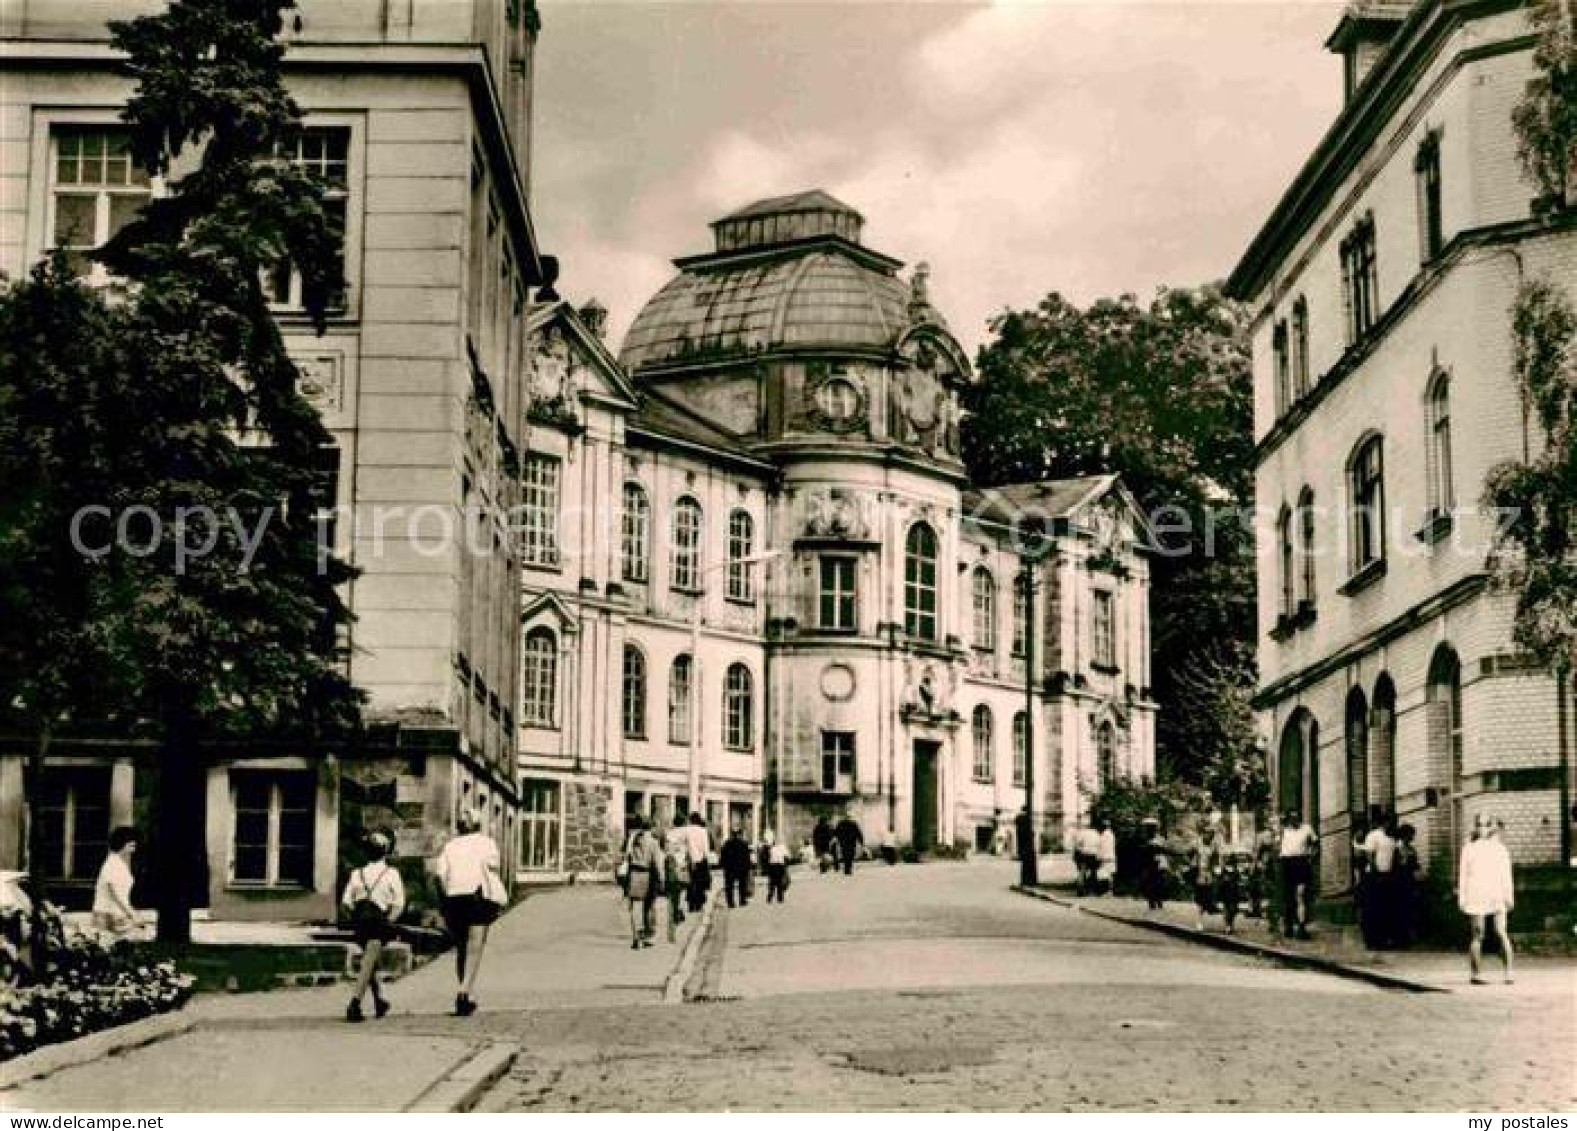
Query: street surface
{"x":929,"y":987}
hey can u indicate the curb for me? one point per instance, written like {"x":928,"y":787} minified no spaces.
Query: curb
{"x":1243,"y":946}
{"x":679,"y":976}
{"x":95,"y":1046}
{"x":462,"y":1086}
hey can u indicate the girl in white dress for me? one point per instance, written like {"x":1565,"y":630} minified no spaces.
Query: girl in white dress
{"x":1485,"y":892}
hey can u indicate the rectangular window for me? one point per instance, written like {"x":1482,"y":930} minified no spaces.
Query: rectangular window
{"x":74,"y":821}
{"x":539,"y":511}
{"x":1283,"y":366}
{"x":540,"y":826}
{"x":1103,"y":648}
{"x":837,"y":761}
{"x":1020,"y":616}
{"x":96,"y":189}
{"x":1431,"y":227}
{"x":741,"y":548}
{"x":1300,"y":348}
{"x":836,"y":604}
{"x":323,"y":151}
{"x":1020,"y":748}
{"x":1360,"y":280}
{"x":636,"y":533}
{"x":272,"y":841}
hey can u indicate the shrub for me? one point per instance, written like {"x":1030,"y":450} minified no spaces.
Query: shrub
{"x":90,"y":985}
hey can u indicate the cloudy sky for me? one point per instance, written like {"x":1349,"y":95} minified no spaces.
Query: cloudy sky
{"x":1090,"y":148}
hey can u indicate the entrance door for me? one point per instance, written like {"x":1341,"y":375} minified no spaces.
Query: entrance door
{"x":924,"y":815}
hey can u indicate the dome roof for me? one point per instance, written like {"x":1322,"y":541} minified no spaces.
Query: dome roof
{"x":787,"y":272}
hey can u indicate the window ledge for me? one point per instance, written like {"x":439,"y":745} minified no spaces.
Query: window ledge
{"x":1104,"y":669}
{"x":743,"y":602}
{"x":542,"y":567}
{"x":687,"y":592}
{"x":1437,"y":526}
{"x":1365,"y":577}
{"x":981,"y":781}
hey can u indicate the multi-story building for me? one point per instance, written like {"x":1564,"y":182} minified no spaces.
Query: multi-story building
{"x":417,"y":115}
{"x":759,"y":587}
{"x":1384,"y":393}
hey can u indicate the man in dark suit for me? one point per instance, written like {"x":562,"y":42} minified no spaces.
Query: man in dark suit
{"x":849,"y":839}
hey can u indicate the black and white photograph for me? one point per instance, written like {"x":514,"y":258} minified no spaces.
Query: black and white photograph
{"x":709,"y":556}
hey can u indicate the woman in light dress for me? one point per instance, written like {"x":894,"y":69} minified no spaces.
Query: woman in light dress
{"x":473,"y":895}
{"x":1485,"y":892}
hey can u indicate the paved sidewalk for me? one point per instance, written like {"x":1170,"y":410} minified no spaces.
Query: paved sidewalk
{"x":1536,"y":975}
{"x":291,"y":1050}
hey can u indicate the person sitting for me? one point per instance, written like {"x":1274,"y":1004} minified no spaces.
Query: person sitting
{"x":112,"y":909}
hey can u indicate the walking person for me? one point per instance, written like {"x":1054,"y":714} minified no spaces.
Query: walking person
{"x":850,"y":839}
{"x":1378,"y":911}
{"x":821,"y":842}
{"x":1204,"y":862}
{"x":700,"y":860}
{"x":374,"y":897}
{"x":643,"y":861}
{"x":735,"y":861}
{"x":676,"y":873}
{"x":1486,"y":893}
{"x":777,"y":868}
{"x":1299,"y":843}
{"x":1156,"y":864}
{"x":1086,"y":857}
{"x":1264,"y":882}
{"x":1105,"y":858}
{"x":112,"y":909}
{"x":473,"y":896}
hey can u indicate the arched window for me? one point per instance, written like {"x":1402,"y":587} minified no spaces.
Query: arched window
{"x":1300,"y":348}
{"x":685,"y":570}
{"x":1020,"y":747}
{"x":1366,"y":496}
{"x":636,"y":534}
{"x":1105,"y":755}
{"x":1298,"y":767}
{"x":679,"y":691}
{"x":1357,"y":739}
{"x":634,"y":702}
{"x":1442,"y":495}
{"x":1287,"y":563}
{"x":1382,"y":745}
{"x":985,"y":603}
{"x":919,"y":588}
{"x":539,"y":678}
{"x":1443,"y":723}
{"x":741,"y":546}
{"x":738,"y":714}
{"x":1306,"y":546}
{"x":1281,"y":357}
{"x":980,"y":727}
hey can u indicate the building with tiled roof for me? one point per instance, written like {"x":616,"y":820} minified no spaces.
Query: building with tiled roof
{"x":770,"y":594}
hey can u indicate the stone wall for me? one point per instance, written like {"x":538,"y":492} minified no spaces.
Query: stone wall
{"x":590,"y":838}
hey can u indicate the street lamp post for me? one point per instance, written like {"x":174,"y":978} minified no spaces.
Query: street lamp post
{"x":1033,"y":545}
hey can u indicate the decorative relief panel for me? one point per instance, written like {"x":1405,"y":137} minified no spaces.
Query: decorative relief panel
{"x":322,"y":381}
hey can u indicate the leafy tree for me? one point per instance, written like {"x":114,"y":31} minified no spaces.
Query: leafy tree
{"x":227,"y":622}
{"x":1545,"y":119}
{"x":1162,"y":395}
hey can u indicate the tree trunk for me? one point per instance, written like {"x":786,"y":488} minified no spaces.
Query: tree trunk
{"x":35,"y":849}
{"x":180,"y":841}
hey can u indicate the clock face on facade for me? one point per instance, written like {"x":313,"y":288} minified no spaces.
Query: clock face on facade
{"x":838,"y":400}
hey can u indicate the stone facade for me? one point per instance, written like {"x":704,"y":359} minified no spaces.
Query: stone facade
{"x":793,"y":402}
{"x":1389,"y":679}
{"x":424,"y":135}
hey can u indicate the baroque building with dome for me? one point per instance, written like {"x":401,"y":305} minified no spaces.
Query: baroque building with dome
{"x":759,"y":585}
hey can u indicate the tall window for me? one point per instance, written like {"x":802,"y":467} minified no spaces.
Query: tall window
{"x":741,"y":546}
{"x":1103,"y":646}
{"x":1020,"y":616}
{"x":95,"y":190}
{"x":985,"y":603}
{"x":1360,"y":281}
{"x":981,"y":731}
{"x":634,"y":698}
{"x":919,"y":588}
{"x":685,"y":572}
{"x":1431,"y":227}
{"x":272,"y":841}
{"x":1105,"y":755}
{"x":539,"y":679}
{"x":836,"y":606}
{"x":679,"y":692}
{"x":540,"y":826}
{"x":1288,"y":563}
{"x":1441,"y":493}
{"x":635,"y":534}
{"x":738,"y":714}
{"x":74,"y":821}
{"x":1367,"y":489}
{"x":1300,"y":348}
{"x":323,"y":152}
{"x":1306,"y":545}
{"x":1382,"y":743}
{"x":1357,"y":737}
{"x":1282,"y":359}
{"x":1020,"y":747}
{"x":837,"y":761}
{"x":539,"y":511}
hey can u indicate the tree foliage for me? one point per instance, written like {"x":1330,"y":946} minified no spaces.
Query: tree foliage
{"x":1545,"y":119}
{"x":1162,"y":395}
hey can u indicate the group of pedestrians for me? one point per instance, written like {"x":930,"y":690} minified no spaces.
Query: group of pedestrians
{"x":1095,"y":857}
{"x":673,"y":866}
{"x":1385,"y":883}
{"x":837,"y":846}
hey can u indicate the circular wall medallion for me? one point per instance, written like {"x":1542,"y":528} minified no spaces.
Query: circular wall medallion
{"x":837,"y":682}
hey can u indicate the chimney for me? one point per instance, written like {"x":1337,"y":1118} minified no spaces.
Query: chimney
{"x":1362,"y":36}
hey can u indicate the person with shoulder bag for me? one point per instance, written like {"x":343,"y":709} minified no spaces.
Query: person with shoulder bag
{"x":473,"y":896}
{"x":374,"y":898}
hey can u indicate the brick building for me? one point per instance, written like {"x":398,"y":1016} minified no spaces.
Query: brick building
{"x":418,"y":116}
{"x":1384,"y":393}
{"x":758,"y":585}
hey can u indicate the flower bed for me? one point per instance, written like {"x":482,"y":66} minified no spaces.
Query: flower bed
{"x":89,"y":986}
